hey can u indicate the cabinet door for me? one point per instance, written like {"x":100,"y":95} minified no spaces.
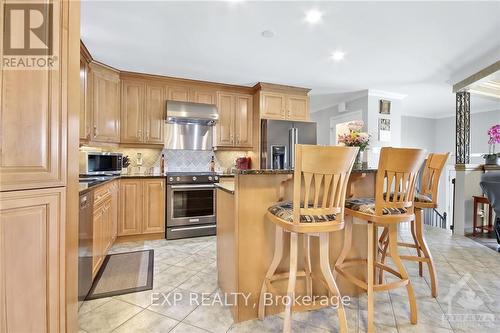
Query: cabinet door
{"x":85,"y":122}
{"x":204,"y":96}
{"x":154,"y":206}
{"x":107,"y":227}
{"x":155,"y":114}
{"x":225,"y":124}
{"x":105,"y":106}
{"x":179,"y":93}
{"x":114,"y":209}
{"x":31,"y":127}
{"x":97,"y":238}
{"x":130,"y":217}
{"x":273,"y":105}
{"x":32,"y":261}
{"x":297,"y":107}
{"x":132,"y":112}
{"x":243,"y":120}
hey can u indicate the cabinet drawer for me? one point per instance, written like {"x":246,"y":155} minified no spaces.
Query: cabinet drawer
{"x":101,"y":194}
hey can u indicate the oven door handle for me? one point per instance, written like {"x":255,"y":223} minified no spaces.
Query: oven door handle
{"x":194,"y":228}
{"x":175,"y":187}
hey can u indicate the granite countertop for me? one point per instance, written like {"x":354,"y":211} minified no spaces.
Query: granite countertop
{"x":227,"y":187}
{"x":290,"y":171}
{"x":84,"y":187}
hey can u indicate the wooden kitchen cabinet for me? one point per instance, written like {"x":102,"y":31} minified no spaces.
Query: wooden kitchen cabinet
{"x":273,"y":105}
{"x":203,"y":96}
{"x":103,"y":222}
{"x":225,"y":124}
{"x":154,"y":121}
{"x":178,"y":93}
{"x":154,"y":206}
{"x":297,"y":107}
{"x":132,"y":111}
{"x":130,"y":215}
{"x":32,"y":260}
{"x":291,"y":104}
{"x":142,"y":206}
{"x":142,"y":112}
{"x":105,"y":97}
{"x":234,"y":127}
{"x":243,"y":120}
{"x":85,"y":119}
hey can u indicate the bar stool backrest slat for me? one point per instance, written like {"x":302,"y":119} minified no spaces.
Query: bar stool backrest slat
{"x":320,"y":180}
{"x":432,"y":173}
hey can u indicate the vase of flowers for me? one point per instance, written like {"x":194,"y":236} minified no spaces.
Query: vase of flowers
{"x":355,"y":138}
{"x":492,"y":158}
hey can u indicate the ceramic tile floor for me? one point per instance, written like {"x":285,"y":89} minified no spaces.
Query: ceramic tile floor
{"x":468,"y":301}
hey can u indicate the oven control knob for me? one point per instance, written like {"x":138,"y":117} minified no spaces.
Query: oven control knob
{"x":209,"y":177}
{"x":194,"y":177}
{"x":171,"y":179}
{"x":178,"y":179}
{"x":216,"y":178}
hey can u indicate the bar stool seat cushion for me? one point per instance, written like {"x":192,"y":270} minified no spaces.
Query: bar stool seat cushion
{"x":367,"y":206}
{"x":284,"y":211}
{"x":419,"y":197}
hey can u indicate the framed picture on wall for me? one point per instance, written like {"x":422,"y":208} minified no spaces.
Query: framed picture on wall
{"x":384,"y":130}
{"x":384,"y":107}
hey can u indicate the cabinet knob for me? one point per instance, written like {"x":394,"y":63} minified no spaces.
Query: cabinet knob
{"x":95,"y":130}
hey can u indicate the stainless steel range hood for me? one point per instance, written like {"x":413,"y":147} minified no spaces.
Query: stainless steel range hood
{"x":190,"y":125}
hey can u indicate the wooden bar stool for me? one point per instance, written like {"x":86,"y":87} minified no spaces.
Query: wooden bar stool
{"x":396,"y":174}
{"x":319,"y":187}
{"x":425,"y":198}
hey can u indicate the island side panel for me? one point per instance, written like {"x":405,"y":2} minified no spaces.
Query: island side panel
{"x":226,"y":246}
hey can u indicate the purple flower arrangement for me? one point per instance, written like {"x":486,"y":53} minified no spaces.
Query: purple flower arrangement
{"x":494,"y":134}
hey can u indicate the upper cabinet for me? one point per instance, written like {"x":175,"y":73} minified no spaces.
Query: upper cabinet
{"x":178,"y":93}
{"x":142,"y":112}
{"x":132,"y":111}
{"x":283,"y":102}
{"x":105,"y":96}
{"x":234,"y":128}
{"x":155,"y":113}
{"x":273,"y":105}
{"x":203,"y":96}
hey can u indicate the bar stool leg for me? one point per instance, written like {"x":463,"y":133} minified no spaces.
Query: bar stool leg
{"x":385,"y":242}
{"x":419,"y":227}
{"x":346,"y":247}
{"x":307,"y":264}
{"x":369,"y":274}
{"x":393,"y":248}
{"x":278,"y":255}
{"x":474,"y":217}
{"x":287,"y":327}
{"x":324,"y":258}
{"x":415,"y":241}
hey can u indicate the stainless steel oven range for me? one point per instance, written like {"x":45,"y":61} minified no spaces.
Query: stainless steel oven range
{"x":190,"y":205}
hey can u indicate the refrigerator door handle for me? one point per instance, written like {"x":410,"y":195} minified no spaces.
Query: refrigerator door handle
{"x":293,"y":139}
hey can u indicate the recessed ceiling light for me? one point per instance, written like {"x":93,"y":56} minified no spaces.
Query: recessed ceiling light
{"x":337,"y":55}
{"x":313,"y":16}
{"x":267,"y":34}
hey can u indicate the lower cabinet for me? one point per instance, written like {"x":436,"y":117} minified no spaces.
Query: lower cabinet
{"x":32,"y":260}
{"x":105,"y":222}
{"x":142,"y":206}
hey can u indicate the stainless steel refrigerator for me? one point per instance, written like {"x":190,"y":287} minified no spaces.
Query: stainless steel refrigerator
{"x":278,"y":139}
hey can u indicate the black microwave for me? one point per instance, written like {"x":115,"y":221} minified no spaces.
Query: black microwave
{"x":100,"y":163}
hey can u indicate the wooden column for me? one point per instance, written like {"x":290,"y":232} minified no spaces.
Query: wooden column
{"x":462,"y":128}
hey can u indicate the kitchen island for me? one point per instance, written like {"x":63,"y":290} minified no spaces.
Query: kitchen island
{"x":245,"y":238}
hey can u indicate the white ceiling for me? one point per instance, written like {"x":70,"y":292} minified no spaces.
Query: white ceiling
{"x":414,"y":48}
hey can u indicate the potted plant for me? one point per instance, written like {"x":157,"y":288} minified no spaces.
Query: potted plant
{"x":492,"y":158}
{"x":355,"y":138}
{"x":125,"y":164}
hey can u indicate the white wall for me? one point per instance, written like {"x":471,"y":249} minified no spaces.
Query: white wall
{"x":322,"y":117}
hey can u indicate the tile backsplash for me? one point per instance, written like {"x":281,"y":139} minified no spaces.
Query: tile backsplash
{"x":178,"y":160}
